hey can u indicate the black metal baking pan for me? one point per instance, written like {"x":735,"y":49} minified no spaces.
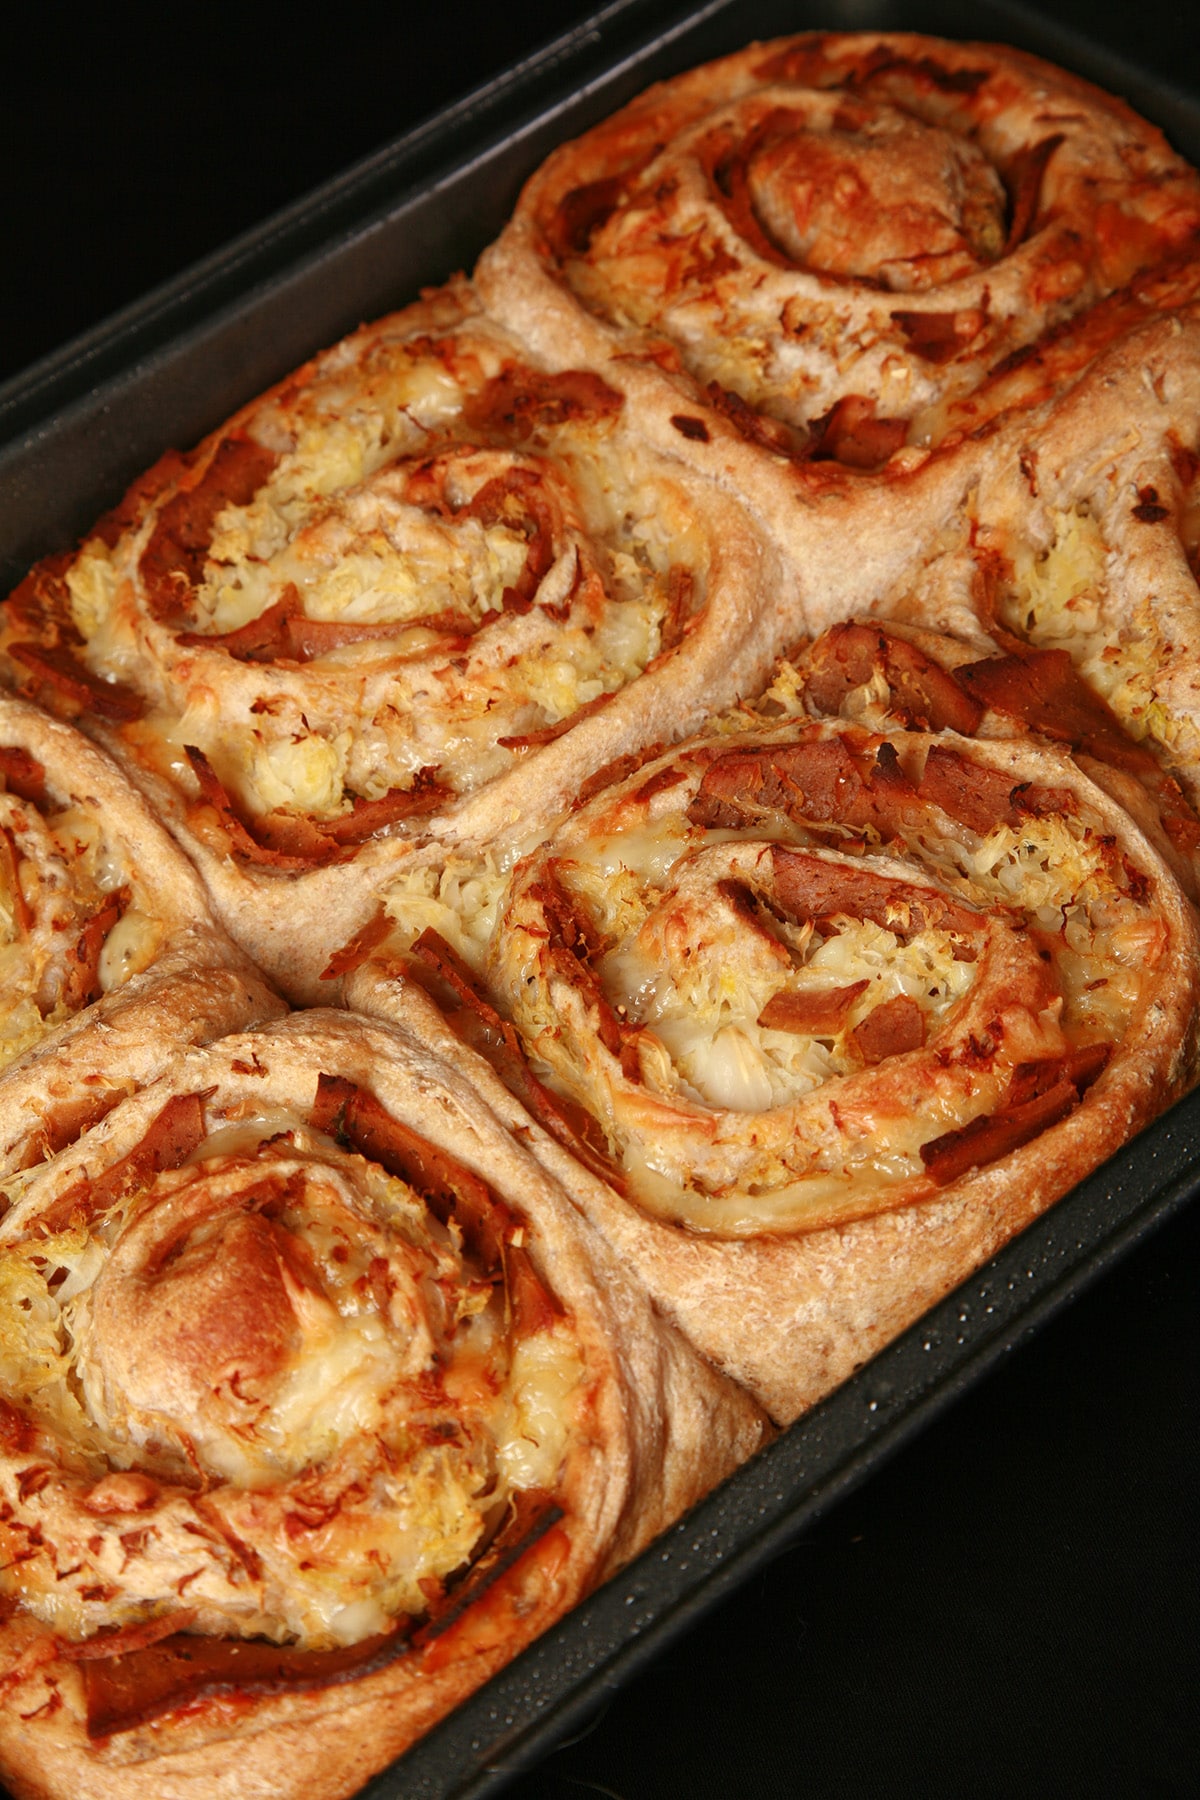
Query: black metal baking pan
{"x":76,"y":427}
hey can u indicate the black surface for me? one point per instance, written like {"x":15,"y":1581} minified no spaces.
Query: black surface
{"x":143,"y":142}
{"x":1009,"y":1607}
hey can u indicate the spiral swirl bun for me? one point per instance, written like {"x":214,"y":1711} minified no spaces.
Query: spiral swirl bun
{"x":194,"y":1348}
{"x":732,"y":987}
{"x":839,"y":1001}
{"x":285,"y":1321}
{"x":841,"y":235}
{"x":424,"y":586}
{"x":281,"y":1369}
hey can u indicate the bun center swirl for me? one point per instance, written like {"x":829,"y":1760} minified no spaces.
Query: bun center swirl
{"x":224,"y":1292}
{"x":857,"y":190}
{"x":805,"y":976}
{"x":265,"y":1385}
{"x":927,"y":972}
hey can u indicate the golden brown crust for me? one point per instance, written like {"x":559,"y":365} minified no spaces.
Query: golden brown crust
{"x":424,"y":588}
{"x":654,"y":1428}
{"x":791,"y":1234}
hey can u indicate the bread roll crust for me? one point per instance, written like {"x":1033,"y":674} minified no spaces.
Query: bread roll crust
{"x":790,"y":1293}
{"x":650,"y":1429}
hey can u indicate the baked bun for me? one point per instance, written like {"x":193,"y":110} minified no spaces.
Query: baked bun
{"x":423,"y":588}
{"x":839,"y":235}
{"x":111,"y":961}
{"x":845,"y":1008}
{"x":321,"y":1401}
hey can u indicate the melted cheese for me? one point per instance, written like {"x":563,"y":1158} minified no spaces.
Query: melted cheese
{"x":366,"y":1472}
{"x":130,"y":947}
{"x":532,"y":1434}
{"x":67,"y":864}
{"x":1062,"y":600}
{"x":733,"y":1126}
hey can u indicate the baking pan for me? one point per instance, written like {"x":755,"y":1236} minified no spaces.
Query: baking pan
{"x":80,"y":424}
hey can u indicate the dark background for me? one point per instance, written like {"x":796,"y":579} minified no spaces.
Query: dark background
{"x":1009,"y":1607}
{"x":134,"y":139}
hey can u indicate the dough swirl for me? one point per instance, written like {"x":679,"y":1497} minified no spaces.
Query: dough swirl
{"x":293,"y":1388}
{"x":839,"y":234}
{"x":423,"y":588}
{"x":837,"y":1001}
